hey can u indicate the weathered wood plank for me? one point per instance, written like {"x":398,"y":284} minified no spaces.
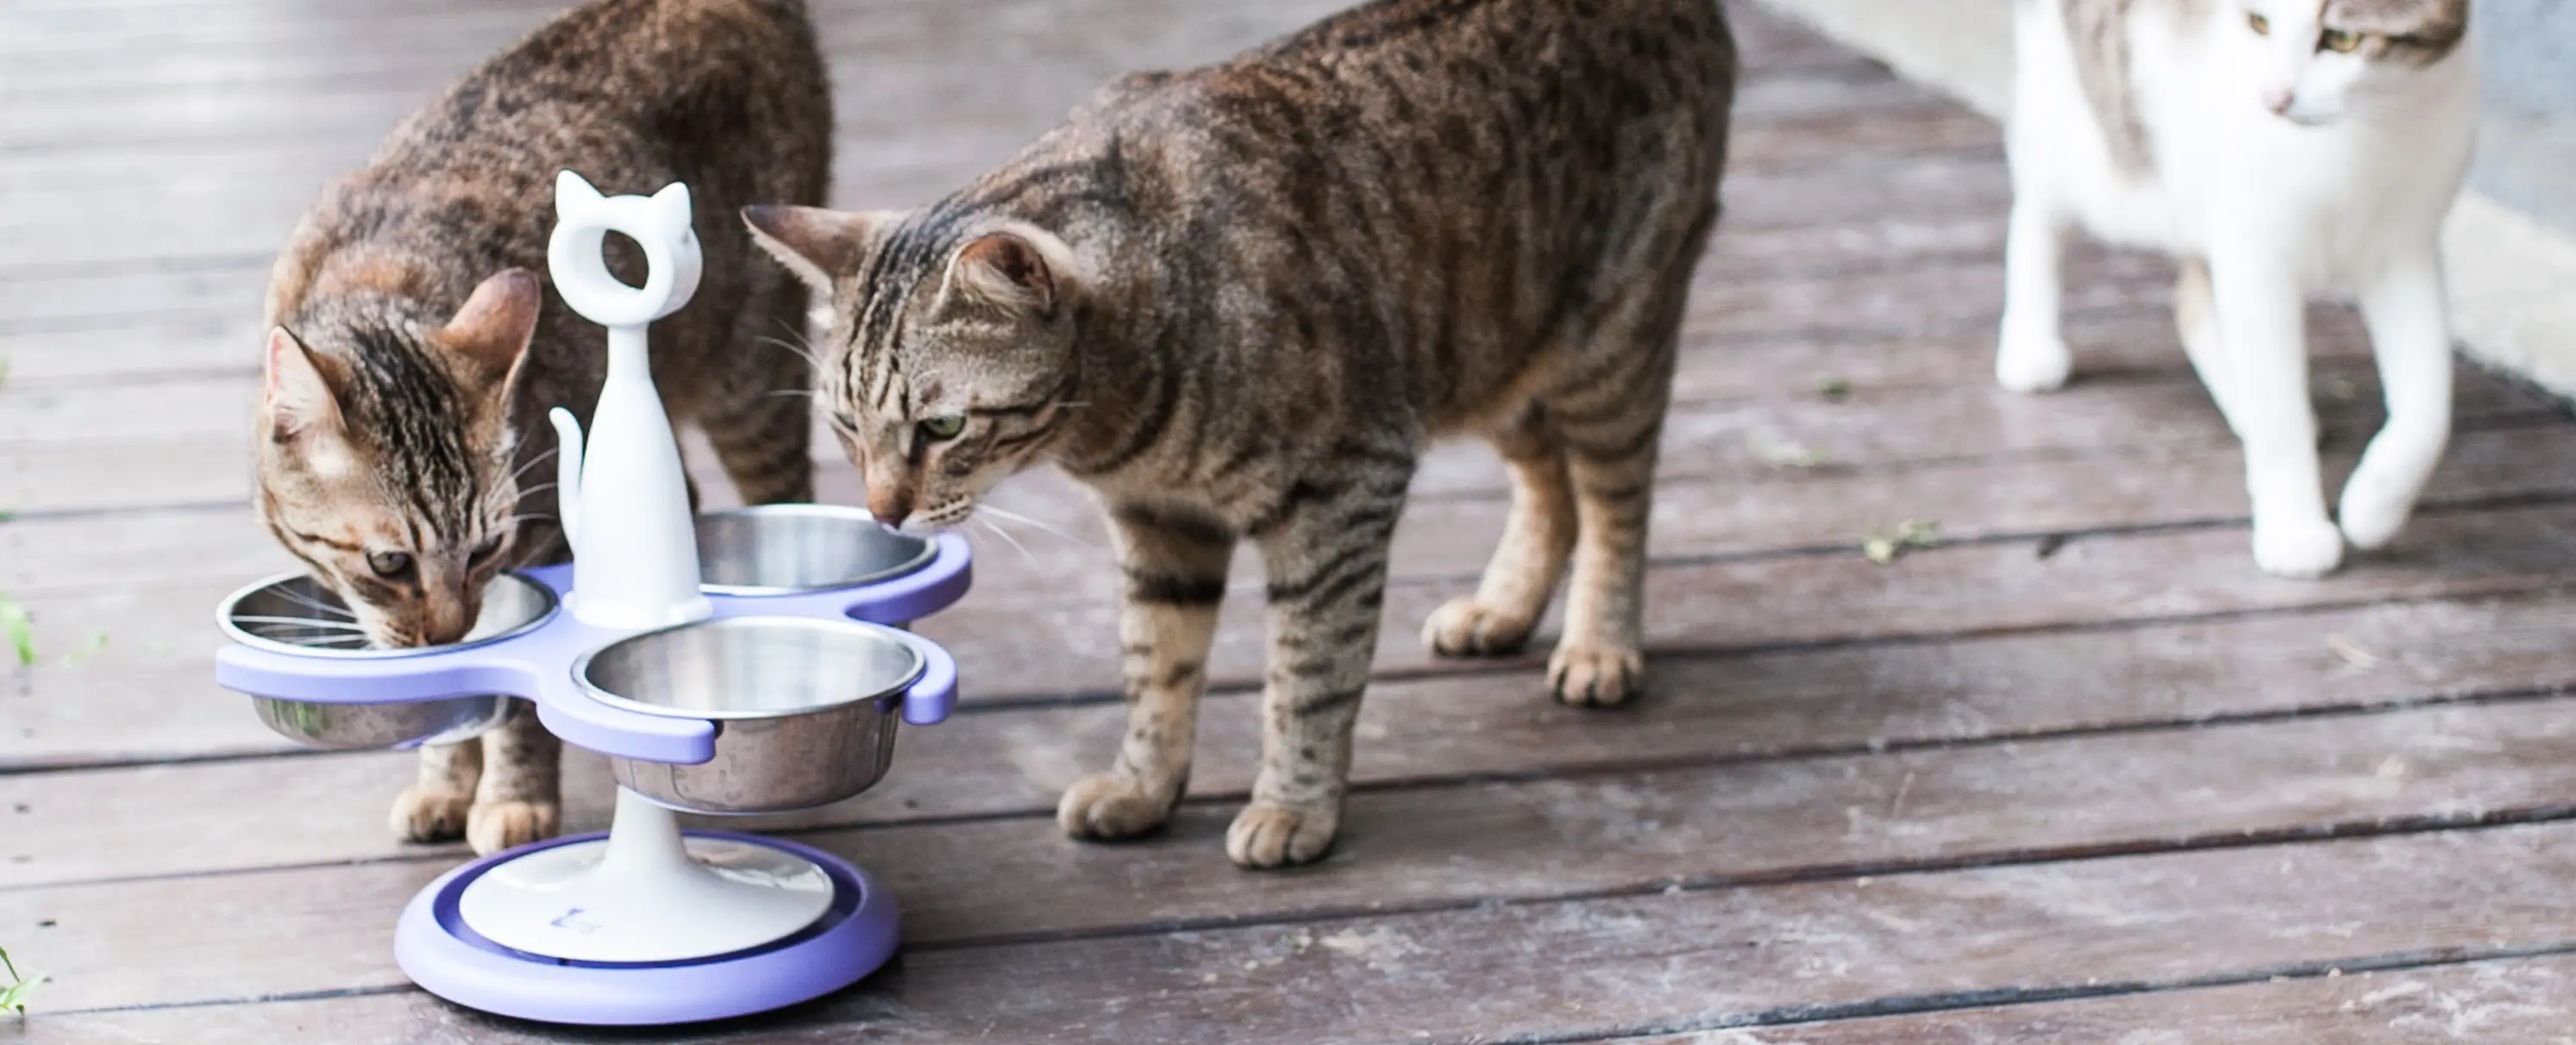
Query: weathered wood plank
{"x":146,"y":693}
{"x":1653,"y":955}
{"x":1049,"y":649}
{"x":83,"y":825}
{"x":2529,"y":1000}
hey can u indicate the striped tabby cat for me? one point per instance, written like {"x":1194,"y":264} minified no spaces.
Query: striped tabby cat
{"x":413,"y":350}
{"x":1238,"y":300}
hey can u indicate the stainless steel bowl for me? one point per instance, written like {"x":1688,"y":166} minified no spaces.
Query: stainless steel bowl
{"x":805,"y":710}
{"x":778,"y":549}
{"x":297,"y":614}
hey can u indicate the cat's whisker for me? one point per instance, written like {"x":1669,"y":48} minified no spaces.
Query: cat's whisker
{"x":1005,"y":535}
{"x":533,"y":462}
{"x":800,"y":350}
{"x":1040,"y":524}
{"x":318,"y":605}
{"x":316,"y":623}
{"x":527,"y":517}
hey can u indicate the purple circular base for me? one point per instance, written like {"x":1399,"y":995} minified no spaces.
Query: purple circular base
{"x":448,"y":958}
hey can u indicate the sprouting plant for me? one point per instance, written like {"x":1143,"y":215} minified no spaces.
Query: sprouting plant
{"x":1884,"y":548}
{"x":1777,"y":452}
{"x":1833,"y":388}
{"x":13,"y":998}
{"x":17,"y":630}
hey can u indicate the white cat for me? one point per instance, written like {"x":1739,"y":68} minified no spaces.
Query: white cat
{"x":2280,"y":149}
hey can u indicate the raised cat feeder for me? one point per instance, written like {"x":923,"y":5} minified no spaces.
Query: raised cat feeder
{"x":742,"y":662}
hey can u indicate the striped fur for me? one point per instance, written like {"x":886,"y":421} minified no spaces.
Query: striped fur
{"x":414,"y":350}
{"x":1237,"y":301}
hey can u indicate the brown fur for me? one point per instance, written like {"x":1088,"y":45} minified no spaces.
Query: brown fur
{"x":416,"y":351}
{"x":1238,"y":301}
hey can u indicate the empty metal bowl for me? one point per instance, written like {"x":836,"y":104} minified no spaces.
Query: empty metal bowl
{"x":805,"y":710}
{"x":778,"y":549}
{"x":296,"y":614}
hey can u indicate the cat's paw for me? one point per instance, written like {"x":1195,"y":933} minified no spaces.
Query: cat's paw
{"x":424,"y":814}
{"x":2033,"y":363}
{"x":1268,"y":834}
{"x":495,"y":826}
{"x":2371,"y":516}
{"x":1468,"y":628}
{"x":2303,"y":550}
{"x":1109,"y":806}
{"x":1588,"y":674}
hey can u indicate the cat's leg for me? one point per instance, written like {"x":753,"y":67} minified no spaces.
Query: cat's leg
{"x":1175,"y":567}
{"x":2263,"y":324}
{"x":763,"y":423}
{"x":2196,"y":320}
{"x":1325,"y":560}
{"x":520,"y":798}
{"x":1538,"y":538}
{"x":2031,"y":353}
{"x":434,"y":807}
{"x":1610,"y":422}
{"x":2410,"y":334}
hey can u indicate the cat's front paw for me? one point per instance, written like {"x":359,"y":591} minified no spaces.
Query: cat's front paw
{"x":1109,"y":806}
{"x":1468,"y":628}
{"x":426,"y":814}
{"x":495,"y":826}
{"x":2302,"y":550}
{"x":2032,"y":362}
{"x":1269,"y":834}
{"x":2371,"y":514}
{"x":1596,"y":674}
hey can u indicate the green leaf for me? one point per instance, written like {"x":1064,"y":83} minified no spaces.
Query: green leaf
{"x":18,"y":631}
{"x":1884,"y":548}
{"x":1833,"y":388}
{"x":13,"y":998}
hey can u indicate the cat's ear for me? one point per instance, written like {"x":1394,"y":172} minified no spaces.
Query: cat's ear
{"x":490,"y":334}
{"x":1021,"y":268}
{"x":817,"y":244}
{"x":300,"y":397}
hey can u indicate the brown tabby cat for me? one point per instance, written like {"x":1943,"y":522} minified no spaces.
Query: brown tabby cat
{"x":414,"y":350}
{"x":1238,"y":300}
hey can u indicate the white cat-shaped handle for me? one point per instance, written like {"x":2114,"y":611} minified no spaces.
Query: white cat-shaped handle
{"x":625,"y":504}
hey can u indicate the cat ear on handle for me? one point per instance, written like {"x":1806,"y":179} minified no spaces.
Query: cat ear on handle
{"x":1020,"y":267}
{"x":492,"y":330}
{"x":818,"y":244}
{"x":300,"y":396}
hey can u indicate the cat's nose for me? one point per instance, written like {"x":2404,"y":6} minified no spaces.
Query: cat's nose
{"x":891,"y":503}
{"x":2279,"y":100}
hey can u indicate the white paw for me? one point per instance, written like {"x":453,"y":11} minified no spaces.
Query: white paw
{"x":1108,"y":806}
{"x":2372,"y":518}
{"x":2032,"y":362}
{"x":495,"y":826}
{"x":1596,"y":674}
{"x":2303,"y":550}
{"x":423,"y":814}
{"x":1463,"y":627}
{"x":1267,"y":834}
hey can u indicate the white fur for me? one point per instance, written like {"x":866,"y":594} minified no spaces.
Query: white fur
{"x":2343,"y":194}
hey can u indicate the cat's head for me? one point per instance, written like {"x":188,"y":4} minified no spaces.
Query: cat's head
{"x":2316,"y":61}
{"x":951,"y":350}
{"x":385,"y":455}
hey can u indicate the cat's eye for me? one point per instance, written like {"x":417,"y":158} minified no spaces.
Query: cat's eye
{"x":2340,"y":41}
{"x":392,"y":566}
{"x":945,"y":426}
{"x":483,"y":554}
{"x":2262,"y":26}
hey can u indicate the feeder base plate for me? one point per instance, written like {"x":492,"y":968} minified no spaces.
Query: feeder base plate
{"x":853,"y":937}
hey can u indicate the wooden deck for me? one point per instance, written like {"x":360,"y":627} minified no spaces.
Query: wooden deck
{"x":2080,"y":774}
